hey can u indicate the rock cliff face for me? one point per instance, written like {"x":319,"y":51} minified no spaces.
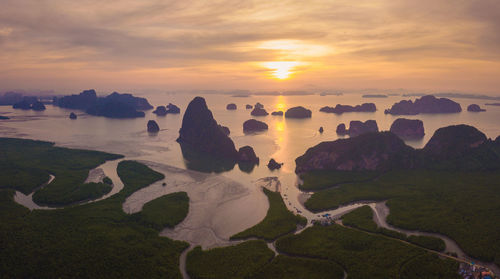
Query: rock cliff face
{"x":426,"y":104}
{"x":231,"y":107}
{"x":137,"y":103}
{"x":341,"y":130}
{"x":259,"y":112}
{"x":82,"y":101}
{"x":10,"y":98}
{"x":374,"y":151}
{"x":253,"y":125}
{"x":459,"y":147}
{"x":273,"y":165}
{"x":475,"y":108}
{"x":408,"y":128}
{"x":225,"y":129}
{"x":24,"y":105}
{"x":259,"y":105}
{"x":112,"y":109}
{"x":38,"y":106}
{"x":298,"y":112}
{"x":171,"y":108}
{"x":246,"y":154}
{"x":339,"y":109}
{"x":115,"y":105}
{"x":160,"y":111}
{"x":206,"y":145}
{"x":153,"y":126}
{"x":452,"y":141}
{"x":201,"y":133}
{"x":357,"y":128}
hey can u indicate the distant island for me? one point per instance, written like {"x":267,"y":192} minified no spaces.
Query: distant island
{"x":339,"y":109}
{"x":374,"y":96}
{"x":115,"y":105}
{"x":426,"y":104}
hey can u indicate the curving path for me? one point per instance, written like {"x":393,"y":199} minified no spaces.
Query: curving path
{"x":108,"y":168}
{"x":381,"y":211}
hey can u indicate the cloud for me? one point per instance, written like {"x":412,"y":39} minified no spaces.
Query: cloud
{"x":233,"y":36}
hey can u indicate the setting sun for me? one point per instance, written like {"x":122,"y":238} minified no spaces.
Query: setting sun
{"x":281,"y":69}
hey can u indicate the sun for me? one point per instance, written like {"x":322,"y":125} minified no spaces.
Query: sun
{"x":281,"y":69}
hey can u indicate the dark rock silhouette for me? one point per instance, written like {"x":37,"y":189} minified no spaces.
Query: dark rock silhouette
{"x":381,"y":151}
{"x":321,"y":130}
{"x":248,"y":106}
{"x":253,"y":125}
{"x":475,"y":108}
{"x":115,"y":105}
{"x":259,"y":105}
{"x":72,"y":116}
{"x":341,"y":130}
{"x":459,"y":147}
{"x":10,"y":98}
{"x":160,"y":111}
{"x":113,"y":109}
{"x":231,"y":107}
{"x":201,"y":133}
{"x":408,"y":128}
{"x":171,"y":108}
{"x":273,"y":165}
{"x":225,"y":129}
{"x":24,"y":105}
{"x":339,"y":109}
{"x":137,"y":103}
{"x":357,"y":128}
{"x":38,"y":106}
{"x":4,"y":117}
{"x":453,"y":140}
{"x":153,"y":126}
{"x":298,"y":112}
{"x":259,"y":112}
{"x":246,"y":154}
{"x":82,"y":101}
{"x":278,"y":113}
{"x":426,"y":104}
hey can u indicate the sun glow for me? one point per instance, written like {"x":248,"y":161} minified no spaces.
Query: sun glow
{"x":281,"y":69}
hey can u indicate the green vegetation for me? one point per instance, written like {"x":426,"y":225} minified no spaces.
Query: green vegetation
{"x":278,"y":221}
{"x":462,"y":205}
{"x":107,"y":180}
{"x":240,"y":261}
{"x":362,"y":218}
{"x":291,"y":267}
{"x":26,"y":165}
{"x":428,"y":242}
{"x":319,"y":180}
{"x":95,"y":240}
{"x":362,"y":255}
{"x":165,"y":211}
{"x":430,"y":267}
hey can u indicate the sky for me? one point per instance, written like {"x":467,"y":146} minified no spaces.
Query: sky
{"x":427,"y":45}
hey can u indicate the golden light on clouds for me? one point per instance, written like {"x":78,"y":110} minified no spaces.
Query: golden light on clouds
{"x":281,"y":69}
{"x":255,"y":45}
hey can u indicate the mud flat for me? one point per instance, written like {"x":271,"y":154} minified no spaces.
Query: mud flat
{"x":218,"y":207}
